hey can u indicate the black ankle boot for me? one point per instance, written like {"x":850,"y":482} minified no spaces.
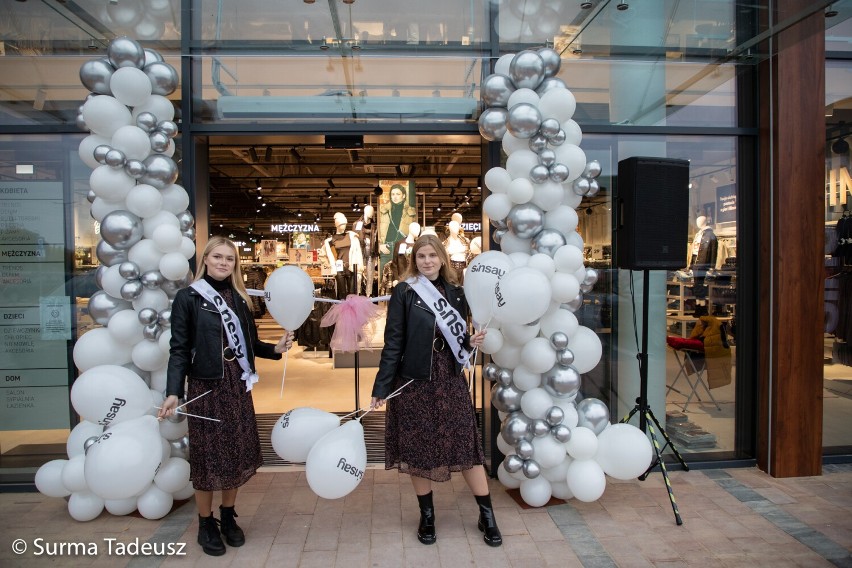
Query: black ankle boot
{"x":233,"y":534}
{"x":208,"y":536}
{"x":487,"y":523}
{"x":426,"y":529}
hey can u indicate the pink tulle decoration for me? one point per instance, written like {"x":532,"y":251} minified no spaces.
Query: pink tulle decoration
{"x":351,"y":318}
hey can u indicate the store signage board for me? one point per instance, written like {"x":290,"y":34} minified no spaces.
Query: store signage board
{"x":35,"y":313}
{"x":726,"y":203}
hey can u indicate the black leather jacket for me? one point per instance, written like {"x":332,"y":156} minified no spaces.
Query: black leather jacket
{"x":196,"y":346}
{"x":409,"y":331}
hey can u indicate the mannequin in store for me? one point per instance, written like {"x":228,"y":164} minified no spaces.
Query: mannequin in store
{"x":475,"y":248}
{"x":343,"y":249}
{"x":400,"y":260}
{"x":395,"y":215}
{"x":458,"y":248}
{"x":366,"y":229}
{"x":703,"y":253}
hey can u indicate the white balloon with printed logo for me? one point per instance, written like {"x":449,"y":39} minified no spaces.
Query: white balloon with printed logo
{"x":296,"y":431}
{"x":109,"y":394}
{"x":337,"y":461}
{"x":481,"y":275}
{"x":521,"y":296}
{"x":289,"y":293}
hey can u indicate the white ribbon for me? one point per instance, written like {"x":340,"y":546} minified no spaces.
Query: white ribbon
{"x":450,"y":322}
{"x":233,"y":330}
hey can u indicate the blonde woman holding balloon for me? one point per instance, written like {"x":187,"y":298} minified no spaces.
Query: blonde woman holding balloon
{"x":217,"y":357}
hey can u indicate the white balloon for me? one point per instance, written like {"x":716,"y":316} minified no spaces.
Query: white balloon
{"x":548,"y":195}
{"x":564,"y":287}
{"x":559,"y":471}
{"x":87,"y":148}
{"x":173,"y":475}
{"x":336,"y":463}
{"x":481,"y":276}
{"x":148,"y":356}
{"x":185,"y":493}
{"x":583,"y":443}
{"x":158,"y":105}
{"x":146,"y":255}
{"x":573,"y":157}
{"x":104,"y":115}
{"x":568,"y":259}
{"x":120,"y":507}
{"x":125,"y":327}
{"x":110,"y":394}
{"x":586,"y":480}
{"x":111,"y":184}
{"x":173,"y":265}
{"x":538,"y":355}
{"x":570,"y":198}
{"x":536,"y":402}
{"x":158,"y":379}
{"x":506,"y":478}
{"x":624,"y":451}
{"x":521,"y":296}
{"x":130,"y":85}
{"x":561,"y":490}
{"x":512,"y":144}
{"x":509,"y":357}
{"x":85,"y":506}
{"x":48,"y":479}
{"x":497,"y":206}
{"x":587,"y":349}
{"x":502,"y":64}
{"x":562,"y":218}
{"x":492,"y":342}
{"x":112,"y":281}
{"x":557,"y":103}
{"x":543,"y":263}
{"x":569,"y":409}
{"x":496,"y":179}
{"x":168,"y":238}
{"x":525,"y":379}
{"x":162,"y":218}
{"x":536,"y":492}
{"x":175,"y":199}
{"x":98,"y":347}
{"x":124,"y":460}
{"x":173,"y":430}
{"x":511,"y":244}
{"x":154,"y":503}
{"x":548,"y":452}
{"x":523,"y":96}
{"x":503,"y":445}
{"x":101,"y":208}
{"x":520,"y":162}
{"x":519,"y":259}
{"x":78,"y":436}
{"x":289,"y":294}
{"x":144,"y":200}
{"x":164,"y":340}
{"x":573,"y":132}
{"x":132,"y":140}
{"x":296,"y":431}
{"x":187,"y":248}
{"x":521,"y":190}
{"x":559,"y":320}
{"x":154,"y":299}
{"x":73,"y":478}
{"x":519,"y":334}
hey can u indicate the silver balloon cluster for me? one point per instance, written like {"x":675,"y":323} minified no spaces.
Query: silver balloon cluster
{"x":519,"y":431}
{"x":587,"y":184}
{"x":144,"y":19}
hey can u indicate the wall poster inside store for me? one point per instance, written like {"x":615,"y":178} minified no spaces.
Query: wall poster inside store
{"x":267,"y":252}
{"x":397,"y":210}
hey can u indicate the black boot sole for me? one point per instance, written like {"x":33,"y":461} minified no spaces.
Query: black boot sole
{"x":213,"y":551}
{"x":427,"y":539}
{"x":490,"y":542}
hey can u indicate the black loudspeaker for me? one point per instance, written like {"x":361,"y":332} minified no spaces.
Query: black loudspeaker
{"x":650,"y":227}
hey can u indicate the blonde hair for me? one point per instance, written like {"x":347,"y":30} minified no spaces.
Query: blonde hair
{"x":431,"y":240}
{"x":236,"y":277}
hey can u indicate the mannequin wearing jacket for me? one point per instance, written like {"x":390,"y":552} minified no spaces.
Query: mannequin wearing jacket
{"x":367,"y":231}
{"x":705,"y":247}
{"x":343,"y":250}
{"x":430,"y":426}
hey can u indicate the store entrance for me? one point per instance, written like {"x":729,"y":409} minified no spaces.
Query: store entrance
{"x":341,"y":208}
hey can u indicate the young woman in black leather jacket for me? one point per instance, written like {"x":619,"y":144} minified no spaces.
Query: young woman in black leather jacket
{"x":431,"y":428}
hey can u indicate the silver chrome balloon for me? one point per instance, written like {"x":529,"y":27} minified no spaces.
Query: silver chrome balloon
{"x":125,"y":52}
{"x":516,"y":427}
{"x":144,"y":375}
{"x":523,"y":120}
{"x":189,"y":233}
{"x":88,"y":442}
{"x":555,"y":415}
{"x":527,"y":69}
{"x":100,"y":272}
{"x":129,"y":270}
{"x":492,"y":123}
{"x":550,"y":83}
{"x":152,"y":332}
{"x":547,"y":241}
{"x":539,"y":427}
{"x":115,"y":158}
{"x":147,"y":121}
{"x":547,"y":158}
{"x":594,"y":188}
{"x":168,"y":127}
{"x":497,"y":235}
{"x":513,"y":463}
{"x":586,"y":287}
{"x":171,"y":287}
{"x":100,"y":153}
{"x":506,"y":398}
{"x":591,"y":276}
{"x":164,"y":318}
{"x":95,"y":75}
{"x":108,"y":254}
{"x":91,"y":196}
{"x":538,"y":143}
{"x":558,"y":172}
{"x":525,"y":220}
{"x":152,"y":279}
{"x":147,"y":316}
{"x":161,"y":171}
{"x":561,"y":381}
{"x":593,"y":414}
{"x":561,"y":433}
{"x":131,"y":289}
{"x":498,"y":223}
{"x":121,"y":229}
{"x":580,"y":186}
{"x":565,"y":357}
{"x":159,"y":141}
{"x":504,"y":377}
{"x":550,"y":127}
{"x":102,"y":306}
{"x":490,"y":370}
{"x":134,"y":168}
{"x":180,"y":447}
{"x":186,"y":220}
{"x":164,"y":78}
{"x":177,"y":417}
{"x":558,"y":139}
{"x":151,"y":56}
{"x":539,"y":173}
{"x":551,"y":60}
{"x":524,"y":449}
{"x":592,"y":170}
{"x":496,"y":90}
{"x":558,"y":340}
{"x":574,"y":304}
{"x":531,"y":469}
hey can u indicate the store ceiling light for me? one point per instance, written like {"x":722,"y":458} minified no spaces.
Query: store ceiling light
{"x":622,"y":6}
{"x":586,"y":5}
{"x":830,"y":12}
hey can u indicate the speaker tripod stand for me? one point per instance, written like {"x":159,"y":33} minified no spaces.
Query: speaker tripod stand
{"x":646,"y":415}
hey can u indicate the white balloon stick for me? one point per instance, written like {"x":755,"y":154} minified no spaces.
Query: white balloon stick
{"x":286,"y":354}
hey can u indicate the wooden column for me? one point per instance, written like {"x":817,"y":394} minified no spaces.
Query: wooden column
{"x":791,"y":221}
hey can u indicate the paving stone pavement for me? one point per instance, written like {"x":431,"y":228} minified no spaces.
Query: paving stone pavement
{"x":731,"y":518}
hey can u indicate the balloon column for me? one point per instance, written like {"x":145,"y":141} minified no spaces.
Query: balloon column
{"x":528,"y":292}
{"x":119,"y":457}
